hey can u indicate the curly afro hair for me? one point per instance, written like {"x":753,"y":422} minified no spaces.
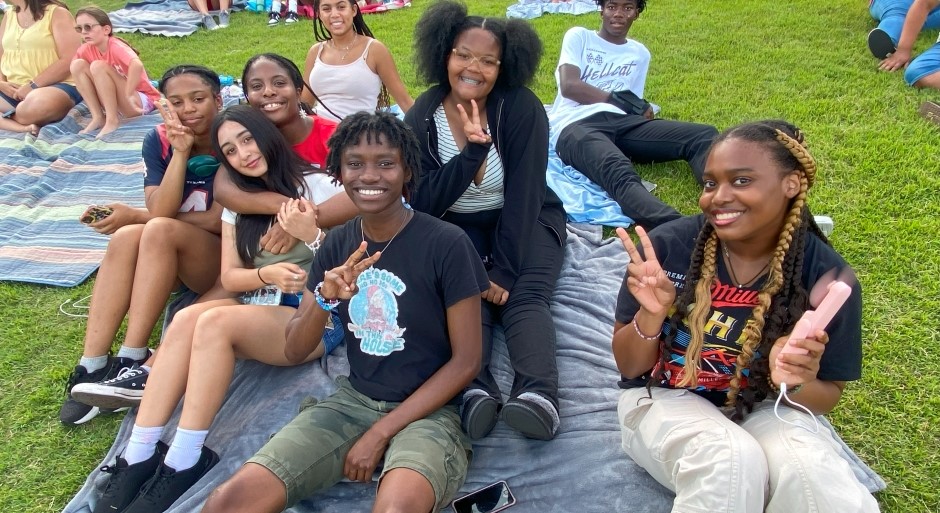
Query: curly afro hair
{"x":441,"y":24}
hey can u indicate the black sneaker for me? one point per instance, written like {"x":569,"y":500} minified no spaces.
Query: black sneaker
{"x":126,"y":480}
{"x":73,"y":412}
{"x":479,"y":412}
{"x":532,"y":415}
{"x":273,"y":18}
{"x":880,"y":43}
{"x":291,"y":18}
{"x":124,"y":390}
{"x":168,"y":485}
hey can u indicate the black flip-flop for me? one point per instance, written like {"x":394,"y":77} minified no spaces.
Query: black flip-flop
{"x":880,"y":43}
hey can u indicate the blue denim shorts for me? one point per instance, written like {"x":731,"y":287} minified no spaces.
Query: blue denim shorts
{"x":924,"y":64}
{"x":68,"y":89}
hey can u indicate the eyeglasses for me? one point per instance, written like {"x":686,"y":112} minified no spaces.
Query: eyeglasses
{"x":465,"y":59}
{"x":86,"y":27}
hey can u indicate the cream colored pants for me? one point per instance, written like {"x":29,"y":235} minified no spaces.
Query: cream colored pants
{"x":714,"y":465}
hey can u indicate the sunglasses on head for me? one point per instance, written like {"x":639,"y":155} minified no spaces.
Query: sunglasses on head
{"x":86,"y":27}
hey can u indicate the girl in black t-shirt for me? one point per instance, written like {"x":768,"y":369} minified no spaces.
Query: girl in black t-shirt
{"x":706,"y":307}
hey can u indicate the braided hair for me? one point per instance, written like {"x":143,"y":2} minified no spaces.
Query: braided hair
{"x":372,"y":128}
{"x":781,"y":300}
{"x":322,"y":34}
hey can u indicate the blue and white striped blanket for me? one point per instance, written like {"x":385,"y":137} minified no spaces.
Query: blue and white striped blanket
{"x":46,"y":182}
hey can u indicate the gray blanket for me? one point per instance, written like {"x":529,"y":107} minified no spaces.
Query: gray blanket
{"x":160,"y":17}
{"x":583,"y":469}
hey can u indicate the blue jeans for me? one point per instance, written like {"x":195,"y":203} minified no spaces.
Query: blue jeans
{"x":890,"y":16}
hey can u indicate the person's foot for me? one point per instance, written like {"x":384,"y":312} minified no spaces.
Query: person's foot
{"x":224,"y":18}
{"x":125,"y":482}
{"x":478,"y":414}
{"x":168,"y":485}
{"x":532,"y":415}
{"x":273,"y":18}
{"x":209,"y":22}
{"x":93,"y":125}
{"x":108,"y":128}
{"x":880,"y":43}
{"x":930,"y":111}
{"x":124,"y":390}
{"x":291,"y":18}
{"x":72,"y":412}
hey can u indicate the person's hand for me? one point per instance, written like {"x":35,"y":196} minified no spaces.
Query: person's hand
{"x":298,"y":217}
{"x":472,"y":126}
{"x":648,"y":114}
{"x":290,"y":278}
{"x":9,"y":89}
{"x":121,"y":215}
{"x":646,"y":280}
{"x":277,"y":241}
{"x":22,"y":91}
{"x":897,"y":60}
{"x":797,"y":369}
{"x":340,"y":282}
{"x":132,"y":98}
{"x":495,"y":294}
{"x":362,"y":459}
{"x":181,"y":137}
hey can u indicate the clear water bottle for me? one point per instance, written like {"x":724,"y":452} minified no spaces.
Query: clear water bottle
{"x":826,"y":224}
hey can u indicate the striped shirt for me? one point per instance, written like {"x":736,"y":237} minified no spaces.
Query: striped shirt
{"x":477,"y":198}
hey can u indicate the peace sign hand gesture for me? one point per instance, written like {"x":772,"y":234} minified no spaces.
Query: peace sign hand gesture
{"x":340,"y":282}
{"x":646,"y":279}
{"x":181,"y":137}
{"x":473,"y":127}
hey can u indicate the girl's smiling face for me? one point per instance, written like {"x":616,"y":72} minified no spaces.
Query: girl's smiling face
{"x":337,"y":15}
{"x":473,"y":65}
{"x":373,"y":175}
{"x":269,"y":88}
{"x":747,"y":194}
{"x":240,"y":150}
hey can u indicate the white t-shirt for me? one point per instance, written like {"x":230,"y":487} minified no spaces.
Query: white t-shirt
{"x":604,"y":65}
{"x":320,"y":187}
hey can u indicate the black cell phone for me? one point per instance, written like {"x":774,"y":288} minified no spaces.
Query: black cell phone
{"x":489,"y":499}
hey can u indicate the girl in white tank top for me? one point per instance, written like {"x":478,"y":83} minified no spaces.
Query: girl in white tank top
{"x":347,"y":68}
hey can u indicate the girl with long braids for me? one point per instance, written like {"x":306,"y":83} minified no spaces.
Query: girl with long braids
{"x":354,"y":71}
{"x":707,"y":304}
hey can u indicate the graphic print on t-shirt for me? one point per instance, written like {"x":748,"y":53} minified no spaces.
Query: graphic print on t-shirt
{"x":724,"y":334}
{"x":607,"y":76}
{"x":373,"y":312}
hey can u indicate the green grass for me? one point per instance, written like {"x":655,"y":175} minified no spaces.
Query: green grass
{"x":721,"y":62}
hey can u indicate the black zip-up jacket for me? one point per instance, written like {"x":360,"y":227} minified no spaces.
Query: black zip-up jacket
{"x":519,"y":128}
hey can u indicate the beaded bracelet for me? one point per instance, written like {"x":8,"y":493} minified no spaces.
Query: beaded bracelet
{"x":636,"y":327}
{"x":776,"y":390}
{"x":326,"y":304}
{"x":260,"y":278}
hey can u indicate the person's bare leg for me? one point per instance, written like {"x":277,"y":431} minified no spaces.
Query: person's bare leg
{"x":168,"y":249}
{"x":249,"y":332}
{"x":111,"y":295}
{"x":43,"y":106}
{"x":111,"y":87}
{"x":200,"y":6}
{"x":81,"y":73}
{"x":167,"y":380}
{"x":402,"y":490}
{"x":931,"y":81}
{"x":253,"y":489}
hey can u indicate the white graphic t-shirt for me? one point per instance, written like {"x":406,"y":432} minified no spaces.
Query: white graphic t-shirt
{"x":604,"y":65}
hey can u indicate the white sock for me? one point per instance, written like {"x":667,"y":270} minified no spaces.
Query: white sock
{"x":186,"y":448}
{"x":292,"y":6}
{"x":136,"y":353}
{"x":143,"y":443}
{"x":91,"y":364}
{"x":276,"y":6}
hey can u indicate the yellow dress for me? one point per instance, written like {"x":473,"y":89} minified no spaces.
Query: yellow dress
{"x":28,"y":52}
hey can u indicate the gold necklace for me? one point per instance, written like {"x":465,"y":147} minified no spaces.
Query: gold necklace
{"x":400,"y":228}
{"x":344,"y":50}
{"x":741,"y":285}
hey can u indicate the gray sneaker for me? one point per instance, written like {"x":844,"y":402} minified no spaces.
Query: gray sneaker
{"x":223,"y":19}
{"x":209,"y":22}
